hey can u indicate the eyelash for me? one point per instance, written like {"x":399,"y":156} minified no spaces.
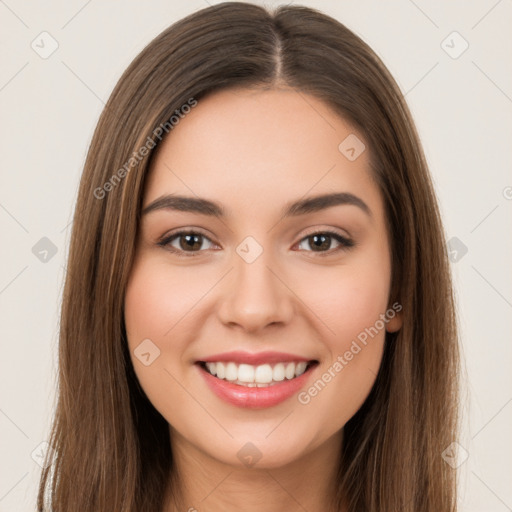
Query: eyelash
{"x":346,"y":243}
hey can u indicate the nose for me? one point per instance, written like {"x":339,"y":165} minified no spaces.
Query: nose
{"x":255,"y":296}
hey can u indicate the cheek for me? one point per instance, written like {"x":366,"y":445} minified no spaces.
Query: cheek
{"x":349,"y":305}
{"x":163,"y":303}
{"x":157,"y":299}
{"x":363,"y":299}
{"x":152,"y":307}
{"x":159,"y":306}
{"x":349,"y":300}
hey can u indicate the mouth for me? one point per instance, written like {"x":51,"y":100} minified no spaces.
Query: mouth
{"x":260,"y":376}
{"x":256,"y":386}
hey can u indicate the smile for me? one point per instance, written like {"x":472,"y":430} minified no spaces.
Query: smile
{"x":256,"y":385}
{"x":256,"y":376}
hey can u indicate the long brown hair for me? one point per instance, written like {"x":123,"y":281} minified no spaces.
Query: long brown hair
{"x":111,"y":447}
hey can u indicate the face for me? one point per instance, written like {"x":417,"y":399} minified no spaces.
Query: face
{"x":271,"y":284}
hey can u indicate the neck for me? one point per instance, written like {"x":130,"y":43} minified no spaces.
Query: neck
{"x":202,"y":483}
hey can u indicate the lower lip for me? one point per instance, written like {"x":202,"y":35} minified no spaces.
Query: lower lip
{"x":255,"y":398}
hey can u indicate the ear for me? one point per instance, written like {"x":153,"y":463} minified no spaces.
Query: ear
{"x":395,"y":322}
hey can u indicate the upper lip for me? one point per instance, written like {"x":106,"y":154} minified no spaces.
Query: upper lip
{"x":257,"y":358}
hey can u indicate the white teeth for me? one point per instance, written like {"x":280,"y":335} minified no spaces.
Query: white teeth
{"x":278,"y":372}
{"x":263,"y":374}
{"x":290,"y":371}
{"x":221,"y":370}
{"x":231,"y":371}
{"x":260,"y":376}
{"x":246,"y":373}
{"x":300,"y":368}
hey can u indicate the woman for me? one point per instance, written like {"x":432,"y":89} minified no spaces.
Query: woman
{"x":258,"y":311}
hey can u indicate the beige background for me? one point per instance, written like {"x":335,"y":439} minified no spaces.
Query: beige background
{"x":462,"y":104}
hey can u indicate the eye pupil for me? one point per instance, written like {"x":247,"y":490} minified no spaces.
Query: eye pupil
{"x":319,"y":241}
{"x":191,"y":241}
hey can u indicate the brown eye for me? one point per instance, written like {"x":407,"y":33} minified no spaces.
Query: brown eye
{"x":321,"y":242}
{"x":188,"y":242}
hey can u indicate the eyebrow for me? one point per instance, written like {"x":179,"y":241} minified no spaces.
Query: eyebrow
{"x":293,"y":209}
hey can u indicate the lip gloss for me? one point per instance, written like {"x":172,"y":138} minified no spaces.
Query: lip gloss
{"x":254,"y":397}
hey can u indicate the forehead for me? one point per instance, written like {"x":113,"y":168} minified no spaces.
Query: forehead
{"x":257,"y":147}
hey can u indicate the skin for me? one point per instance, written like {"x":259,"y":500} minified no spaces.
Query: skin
{"x":253,"y":151}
